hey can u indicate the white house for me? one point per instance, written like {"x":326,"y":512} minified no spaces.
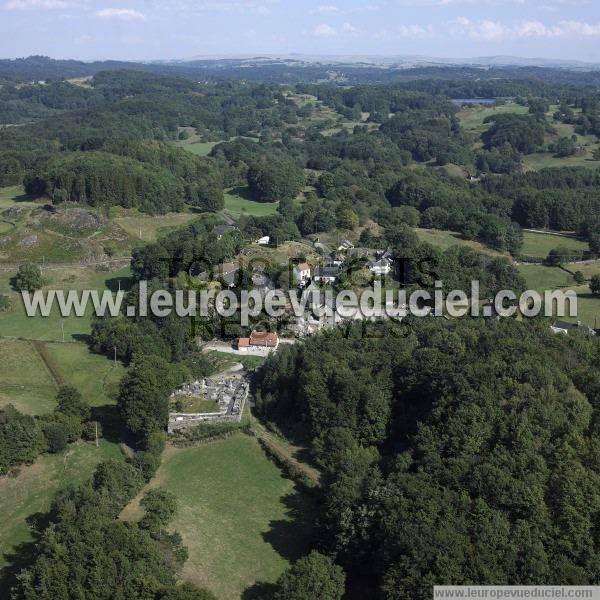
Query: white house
{"x":302,"y":271}
{"x":565,"y":327}
{"x":264,"y":240}
{"x":383,"y":266}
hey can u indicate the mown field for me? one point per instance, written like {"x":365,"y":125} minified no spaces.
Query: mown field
{"x":540,"y":244}
{"x":15,"y":322}
{"x":237,"y":204}
{"x":32,"y":491}
{"x":446,"y":239}
{"x":30,"y":373}
{"x":241,"y":520}
{"x":541,"y":278}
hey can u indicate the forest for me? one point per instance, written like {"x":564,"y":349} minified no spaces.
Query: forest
{"x":450,"y":452}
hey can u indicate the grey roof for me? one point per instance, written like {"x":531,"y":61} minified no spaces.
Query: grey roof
{"x":327,"y":271}
{"x":382,"y":262}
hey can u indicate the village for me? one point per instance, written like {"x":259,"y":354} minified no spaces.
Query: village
{"x":223,"y":396}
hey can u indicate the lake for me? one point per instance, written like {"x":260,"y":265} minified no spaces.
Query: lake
{"x":473,"y":100}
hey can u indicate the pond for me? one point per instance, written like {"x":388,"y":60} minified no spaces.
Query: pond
{"x":473,"y":100}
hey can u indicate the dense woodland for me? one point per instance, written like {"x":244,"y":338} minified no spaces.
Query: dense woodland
{"x":450,"y":451}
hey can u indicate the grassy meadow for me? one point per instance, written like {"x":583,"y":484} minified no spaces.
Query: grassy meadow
{"x":30,"y":373}
{"x":446,"y":239}
{"x":540,"y":244}
{"x":15,"y":322}
{"x":237,"y":204}
{"x":241,"y":520}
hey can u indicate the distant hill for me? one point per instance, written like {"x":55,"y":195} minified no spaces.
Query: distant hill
{"x":313,"y":68}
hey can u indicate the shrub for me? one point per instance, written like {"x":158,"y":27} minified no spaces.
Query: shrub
{"x":56,"y":437}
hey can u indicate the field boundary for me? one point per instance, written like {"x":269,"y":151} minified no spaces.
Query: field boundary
{"x":49,"y":362}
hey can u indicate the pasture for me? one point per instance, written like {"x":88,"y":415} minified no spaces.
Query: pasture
{"x":445,"y":239}
{"x":472,"y":117}
{"x":30,"y":373}
{"x":144,"y":228}
{"x":15,"y":322}
{"x":541,"y":278}
{"x":540,"y":244}
{"x":241,"y":519}
{"x":237,"y":203}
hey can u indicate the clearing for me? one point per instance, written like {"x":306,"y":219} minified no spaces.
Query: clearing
{"x":241,"y":519}
{"x":446,"y":239}
{"x":540,"y":244}
{"x":238,"y":203}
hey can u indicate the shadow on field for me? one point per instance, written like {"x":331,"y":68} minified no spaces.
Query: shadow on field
{"x":23,"y":555}
{"x":259,"y":591}
{"x":114,"y":284}
{"x":291,"y":537}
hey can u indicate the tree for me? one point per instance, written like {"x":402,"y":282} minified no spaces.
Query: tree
{"x":28,"y":278}
{"x":159,"y":508}
{"x":595,"y":285}
{"x":274,"y":180}
{"x":71,"y":403}
{"x":348,"y":219}
{"x":579,"y":277}
{"x":313,"y":577}
{"x":56,"y":437}
{"x":561,"y":255}
{"x":144,"y":394}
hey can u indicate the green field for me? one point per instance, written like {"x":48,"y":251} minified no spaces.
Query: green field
{"x":541,"y":278}
{"x":540,"y":244}
{"x":241,"y":520}
{"x":224,"y":360}
{"x":471,"y":118}
{"x":33,"y":489}
{"x":544,"y":160}
{"x":25,"y":381}
{"x":148,"y":228}
{"x":15,"y":322}
{"x":198,"y":148}
{"x":30,"y":374}
{"x":15,"y":194}
{"x":588,"y":269}
{"x":446,"y":239}
{"x":237,"y":205}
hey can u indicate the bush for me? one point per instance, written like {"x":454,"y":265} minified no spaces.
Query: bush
{"x":28,"y":278}
{"x":146,"y":463}
{"x":56,"y":437}
{"x":313,"y":577}
{"x":159,"y":507}
{"x":70,"y":403}
{"x":4,"y":303}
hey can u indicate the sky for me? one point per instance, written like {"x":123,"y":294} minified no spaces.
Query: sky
{"x":182,"y":29}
